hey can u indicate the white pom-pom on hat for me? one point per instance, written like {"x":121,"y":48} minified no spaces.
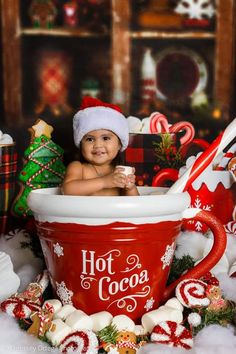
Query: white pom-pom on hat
{"x":98,"y":115}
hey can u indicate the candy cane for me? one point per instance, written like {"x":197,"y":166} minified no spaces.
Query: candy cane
{"x":189,"y":131}
{"x":226,"y":158}
{"x":205,"y":159}
{"x":158,"y":123}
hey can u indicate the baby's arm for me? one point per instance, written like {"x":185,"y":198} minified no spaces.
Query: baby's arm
{"x":74,"y":184}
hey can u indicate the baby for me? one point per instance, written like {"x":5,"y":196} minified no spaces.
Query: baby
{"x":101,"y":132}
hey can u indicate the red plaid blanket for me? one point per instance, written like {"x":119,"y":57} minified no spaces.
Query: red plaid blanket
{"x":141,"y":155}
{"x":8,"y":168}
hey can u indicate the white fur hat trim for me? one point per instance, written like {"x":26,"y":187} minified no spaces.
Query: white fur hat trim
{"x":100,"y":117}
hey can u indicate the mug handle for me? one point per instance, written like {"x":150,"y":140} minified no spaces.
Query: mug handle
{"x":166,"y":174}
{"x":217,"y":251}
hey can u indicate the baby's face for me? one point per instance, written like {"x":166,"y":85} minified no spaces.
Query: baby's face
{"x":100,"y":146}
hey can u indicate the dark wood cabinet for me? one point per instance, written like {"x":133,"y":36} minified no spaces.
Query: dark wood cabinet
{"x":115,"y":55}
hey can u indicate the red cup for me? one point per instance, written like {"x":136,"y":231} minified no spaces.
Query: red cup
{"x":212,"y":191}
{"x":115,"y":253}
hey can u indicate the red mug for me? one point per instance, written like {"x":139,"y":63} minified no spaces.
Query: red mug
{"x":114,"y":253}
{"x":212,"y":191}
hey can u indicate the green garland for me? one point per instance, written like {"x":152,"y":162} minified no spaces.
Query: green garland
{"x":167,"y":155}
{"x":179,"y":266}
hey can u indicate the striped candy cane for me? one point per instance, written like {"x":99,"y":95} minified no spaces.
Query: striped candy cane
{"x":187,"y":127}
{"x":226,"y":158}
{"x":205,"y":159}
{"x":158,"y":123}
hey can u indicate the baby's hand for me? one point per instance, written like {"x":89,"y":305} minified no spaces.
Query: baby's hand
{"x":129,"y":176}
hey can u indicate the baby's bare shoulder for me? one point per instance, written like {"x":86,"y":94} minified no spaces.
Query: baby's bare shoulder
{"x":75,"y":168}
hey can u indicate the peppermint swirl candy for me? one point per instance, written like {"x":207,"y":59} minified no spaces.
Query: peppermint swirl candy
{"x":230,"y":228}
{"x":192,"y":293}
{"x":172,"y":334}
{"x":80,"y":342}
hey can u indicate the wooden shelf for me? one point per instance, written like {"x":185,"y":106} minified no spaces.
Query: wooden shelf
{"x":62,"y":32}
{"x":172,"y":35}
{"x":119,"y":52}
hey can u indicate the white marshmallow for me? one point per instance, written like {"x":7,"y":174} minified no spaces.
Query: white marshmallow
{"x":6,"y":139}
{"x":64,"y":312}
{"x":56,"y":304}
{"x":139,"y":330}
{"x":100,"y":320}
{"x":164,"y":313}
{"x":146,"y":125}
{"x":79,"y":320}
{"x":61,"y":331}
{"x":135,"y":124}
{"x":174,"y":303}
{"x":123,"y":323}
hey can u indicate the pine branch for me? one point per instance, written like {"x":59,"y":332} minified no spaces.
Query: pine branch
{"x":179,"y":266}
{"x":108,"y":334}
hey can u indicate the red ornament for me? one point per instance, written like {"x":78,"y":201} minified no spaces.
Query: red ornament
{"x":172,"y":334}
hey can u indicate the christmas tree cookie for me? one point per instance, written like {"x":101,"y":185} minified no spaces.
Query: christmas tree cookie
{"x":43,"y":166}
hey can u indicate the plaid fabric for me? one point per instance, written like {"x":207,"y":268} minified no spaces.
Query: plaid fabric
{"x":141,"y":155}
{"x":8,"y":168}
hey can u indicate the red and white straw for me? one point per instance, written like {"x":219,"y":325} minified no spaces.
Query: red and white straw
{"x":226,"y":158}
{"x":205,"y":159}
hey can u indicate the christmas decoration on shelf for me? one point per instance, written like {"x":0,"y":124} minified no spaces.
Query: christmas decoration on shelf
{"x":70,"y":13}
{"x":198,"y":13}
{"x":159,"y":15}
{"x":43,"y":166}
{"x":90,"y":87}
{"x":95,"y":15}
{"x":184,"y":68}
{"x":53,"y":74}
{"x":148,"y":85}
{"x":43,"y":13}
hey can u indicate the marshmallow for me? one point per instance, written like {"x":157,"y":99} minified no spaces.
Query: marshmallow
{"x":59,"y":333}
{"x":56,"y":304}
{"x":175,"y":304}
{"x":101,"y":320}
{"x":123,"y":323}
{"x":146,"y":125}
{"x":139,"y":330}
{"x":163,"y":313}
{"x":135,"y":124}
{"x":64,"y":312}
{"x":5,"y":139}
{"x":79,"y":320}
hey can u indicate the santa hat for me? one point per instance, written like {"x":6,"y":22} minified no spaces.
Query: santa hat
{"x":94,"y":115}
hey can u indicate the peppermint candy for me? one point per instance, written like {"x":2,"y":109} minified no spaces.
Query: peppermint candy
{"x":230,"y":228}
{"x":19,"y":307}
{"x":172,"y":334}
{"x":80,"y":342}
{"x":192,"y":293}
